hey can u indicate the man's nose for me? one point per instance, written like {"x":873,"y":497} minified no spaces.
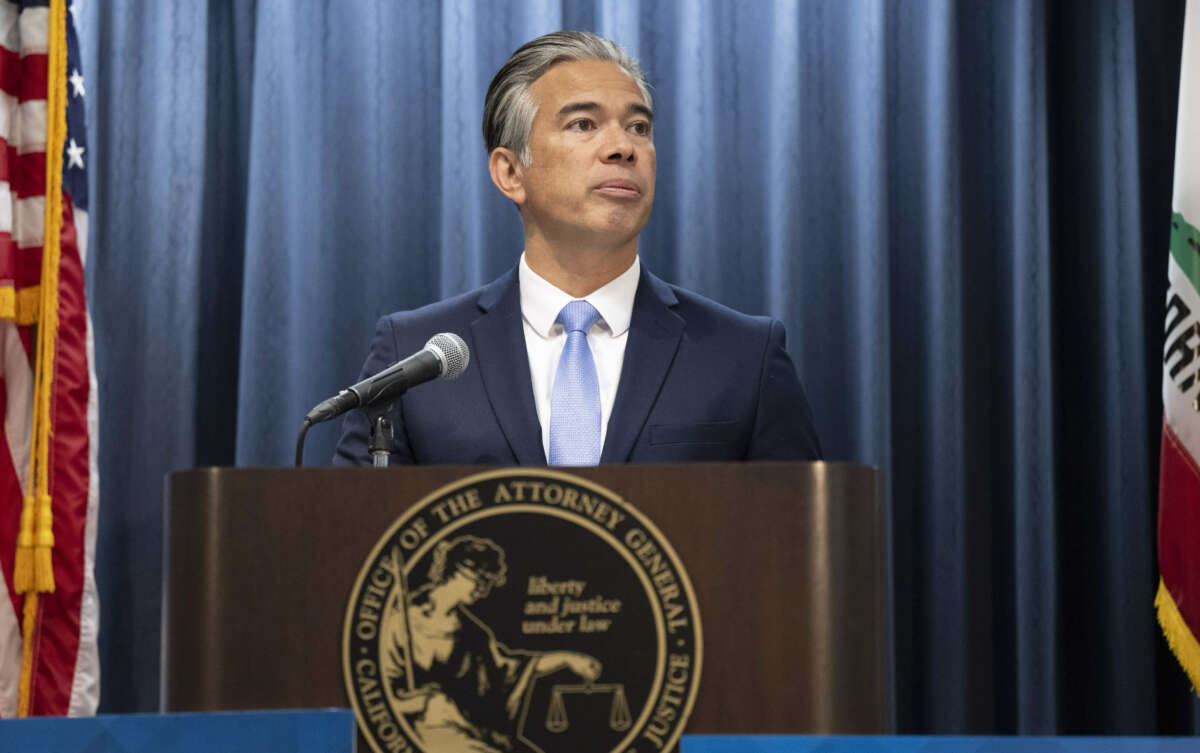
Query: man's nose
{"x":618,"y":146}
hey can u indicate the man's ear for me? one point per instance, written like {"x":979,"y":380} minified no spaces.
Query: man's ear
{"x":508,"y":174}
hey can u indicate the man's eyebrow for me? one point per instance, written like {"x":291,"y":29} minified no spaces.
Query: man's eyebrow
{"x":578,"y":107}
{"x":574,"y":107}
{"x":642,"y":110}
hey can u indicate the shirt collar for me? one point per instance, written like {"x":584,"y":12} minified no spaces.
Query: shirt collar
{"x":541,"y":300}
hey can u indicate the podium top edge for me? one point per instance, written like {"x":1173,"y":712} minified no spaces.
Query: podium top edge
{"x":835,"y":466}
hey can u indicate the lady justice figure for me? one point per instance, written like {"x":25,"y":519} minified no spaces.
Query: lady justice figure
{"x":466,"y":689}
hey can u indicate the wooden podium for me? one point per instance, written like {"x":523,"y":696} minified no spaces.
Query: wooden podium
{"x":788,"y":561}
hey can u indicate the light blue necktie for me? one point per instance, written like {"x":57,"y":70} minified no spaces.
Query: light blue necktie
{"x":575,"y":399}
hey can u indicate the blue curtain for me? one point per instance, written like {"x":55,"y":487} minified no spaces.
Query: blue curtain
{"x":958,"y":209}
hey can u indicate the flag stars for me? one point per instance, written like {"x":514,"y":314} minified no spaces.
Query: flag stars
{"x":76,"y":80}
{"x":74,"y":155}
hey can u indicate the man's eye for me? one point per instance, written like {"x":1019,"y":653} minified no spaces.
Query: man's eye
{"x":641,"y":128}
{"x":583,"y":124}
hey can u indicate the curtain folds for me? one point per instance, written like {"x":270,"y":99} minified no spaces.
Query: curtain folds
{"x":959,"y":211}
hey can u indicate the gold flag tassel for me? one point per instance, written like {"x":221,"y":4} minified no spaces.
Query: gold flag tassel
{"x":34,"y":566}
{"x":23,"y":567}
{"x":43,"y":547}
{"x":1179,"y":636}
{"x":20,"y":305}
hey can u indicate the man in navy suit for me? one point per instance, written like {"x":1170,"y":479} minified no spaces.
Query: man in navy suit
{"x":579,"y":355}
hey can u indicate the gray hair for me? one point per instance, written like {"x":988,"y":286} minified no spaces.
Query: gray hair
{"x":509,"y":109}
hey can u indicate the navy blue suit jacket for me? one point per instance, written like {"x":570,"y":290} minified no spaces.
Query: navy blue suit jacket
{"x":699,"y":382}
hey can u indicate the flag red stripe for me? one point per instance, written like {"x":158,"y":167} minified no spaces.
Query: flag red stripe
{"x":27,"y":173}
{"x":1179,"y":527}
{"x":28,"y":266}
{"x":69,"y":474}
{"x":10,"y":71}
{"x":23,"y":77}
{"x":8,"y":261}
{"x":33,"y":80}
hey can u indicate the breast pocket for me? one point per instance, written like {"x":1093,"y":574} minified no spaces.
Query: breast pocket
{"x":713,"y":432}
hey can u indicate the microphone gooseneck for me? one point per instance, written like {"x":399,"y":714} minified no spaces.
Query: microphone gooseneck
{"x":445,"y":356}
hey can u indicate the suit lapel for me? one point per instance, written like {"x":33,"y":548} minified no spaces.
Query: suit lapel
{"x":654,"y":334}
{"x":499,"y":342}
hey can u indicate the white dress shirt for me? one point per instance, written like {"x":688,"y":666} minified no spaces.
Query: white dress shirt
{"x":544,"y":339}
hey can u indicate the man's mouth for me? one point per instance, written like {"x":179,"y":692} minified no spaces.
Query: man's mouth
{"x":621,"y":189}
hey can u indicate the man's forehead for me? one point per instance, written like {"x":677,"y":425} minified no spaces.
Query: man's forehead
{"x":585,"y":80}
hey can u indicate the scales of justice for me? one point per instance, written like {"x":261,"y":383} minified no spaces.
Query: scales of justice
{"x":618,"y":715}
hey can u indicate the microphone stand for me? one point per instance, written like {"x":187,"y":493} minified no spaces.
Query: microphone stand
{"x":379,"y":441}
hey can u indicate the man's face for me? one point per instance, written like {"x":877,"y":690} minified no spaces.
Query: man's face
{"x":593,"y":163}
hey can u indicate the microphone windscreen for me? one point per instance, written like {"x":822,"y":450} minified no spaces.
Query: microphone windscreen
{"x":453,"y":351}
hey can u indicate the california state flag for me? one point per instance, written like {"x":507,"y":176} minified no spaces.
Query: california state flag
{"x":1178,"y":600}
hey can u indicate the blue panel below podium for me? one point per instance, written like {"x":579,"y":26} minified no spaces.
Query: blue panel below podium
{"x":896,"y":744}
{"x":328,"y":731}
{"x":333,"y":731}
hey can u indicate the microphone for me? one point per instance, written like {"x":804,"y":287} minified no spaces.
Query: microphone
{"x":445,"y":356}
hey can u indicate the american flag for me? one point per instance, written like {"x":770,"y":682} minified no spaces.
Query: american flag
{"x":48,"y":477}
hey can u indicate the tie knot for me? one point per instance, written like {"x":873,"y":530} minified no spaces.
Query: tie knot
{"x":578,"y":316}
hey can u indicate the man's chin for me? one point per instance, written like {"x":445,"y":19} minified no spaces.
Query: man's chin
{"x":604,"y":230}
{"x":621,"y":224}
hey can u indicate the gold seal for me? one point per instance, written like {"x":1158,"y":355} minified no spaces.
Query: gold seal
{"x":522,"y":610}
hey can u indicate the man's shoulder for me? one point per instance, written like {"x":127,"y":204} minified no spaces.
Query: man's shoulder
{"x":702,"y":312}
{"x":460,"y":309}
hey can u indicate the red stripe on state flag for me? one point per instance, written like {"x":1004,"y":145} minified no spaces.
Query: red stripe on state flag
{"x":1179,"y":527}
